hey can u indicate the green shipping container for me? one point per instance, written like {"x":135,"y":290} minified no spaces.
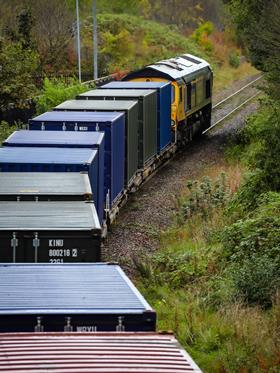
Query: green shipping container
{"x":147,"y":115}
{"x":130,"y":108}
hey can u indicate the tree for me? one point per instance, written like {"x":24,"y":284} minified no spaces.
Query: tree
{"x":17,"y":66}
{"x":54,"y":30}
{"x":258,"y":24}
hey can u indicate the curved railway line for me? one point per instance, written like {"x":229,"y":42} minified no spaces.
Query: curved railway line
{"x":151,"y":209}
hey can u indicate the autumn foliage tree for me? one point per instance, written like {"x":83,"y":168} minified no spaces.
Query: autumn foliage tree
{"x":258,"y":24}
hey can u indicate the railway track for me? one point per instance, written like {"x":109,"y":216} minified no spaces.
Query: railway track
{"x":151,"y":209}
{"x":234,"y":102}
{"x":242,"y":96}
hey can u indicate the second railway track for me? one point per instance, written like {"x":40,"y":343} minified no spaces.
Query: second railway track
{"x":234,"y":102}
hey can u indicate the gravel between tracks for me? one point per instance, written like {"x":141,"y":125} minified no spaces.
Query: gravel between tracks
{"x":151,"y":209}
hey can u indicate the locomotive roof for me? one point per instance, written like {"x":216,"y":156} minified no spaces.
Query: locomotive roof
{"x":181,"y":67}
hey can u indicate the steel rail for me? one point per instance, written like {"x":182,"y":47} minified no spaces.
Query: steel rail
{"x":237,"y":92}
{"x":232,"y":111}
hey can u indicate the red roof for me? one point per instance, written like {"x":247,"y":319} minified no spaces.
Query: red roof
{"x":93,"y":352}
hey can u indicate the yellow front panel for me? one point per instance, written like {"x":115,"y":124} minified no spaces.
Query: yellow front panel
{"x":177,"y":108}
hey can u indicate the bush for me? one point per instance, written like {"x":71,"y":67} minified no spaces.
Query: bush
{"x":252,"y":245}
{"x":55,"y":91}
{"x":262,"y":134}
{"x":257,"y":279}
{"x":257,"y":234}
{"x":234,"y":59}
{"x":259,"y":148}
{"x":205,"y":196}
{"x":201,"y":36}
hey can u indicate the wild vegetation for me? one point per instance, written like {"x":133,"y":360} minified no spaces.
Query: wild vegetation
{"x":215,"y":280}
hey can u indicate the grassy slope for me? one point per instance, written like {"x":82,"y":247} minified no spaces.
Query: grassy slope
{"x":130,"y":42}
{"x":186,"y":283}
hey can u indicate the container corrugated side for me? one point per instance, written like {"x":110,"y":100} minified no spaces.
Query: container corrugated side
{"x":147,"y":115}
{"x":26,"y":159}
{"x":114,"y":128}
{"x":163,"y":104}
{"x":64,"y":139}
{"x":130,"y":108}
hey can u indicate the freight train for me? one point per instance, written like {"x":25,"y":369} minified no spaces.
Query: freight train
{"x":113,"y":137}
{"x":62,"y":182}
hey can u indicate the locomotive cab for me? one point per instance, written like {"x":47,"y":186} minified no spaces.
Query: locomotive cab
{"x":192,"y":80}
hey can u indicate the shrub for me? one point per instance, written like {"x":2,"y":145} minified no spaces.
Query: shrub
{"x":257,"y":234}
{"x":201,"y":36}
{"x":257,"y":279}
{"x":234,"y":59}
{"x":55,"y":91}
{"x":252,"y":245}
{"x":205,"y":196}
{"x":259,"y":148}
{"x":262,"y":134}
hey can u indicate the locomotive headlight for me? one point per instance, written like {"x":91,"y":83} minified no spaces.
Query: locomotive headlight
{"x":173,"y":123}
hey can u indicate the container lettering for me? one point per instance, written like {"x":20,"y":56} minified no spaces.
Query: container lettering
{"x":56,"y":243}
{"x":63,"y":253}
{"x":86,"y":329}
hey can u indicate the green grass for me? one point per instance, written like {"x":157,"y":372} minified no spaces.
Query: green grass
{"x":188,"y":283}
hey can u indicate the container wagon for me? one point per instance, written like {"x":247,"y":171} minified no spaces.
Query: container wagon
{"x":96,"y":352}
{"x":71,"y":297}
{"x":27,"y":159}
{"x":147,"y":115}
{"x":42,"y":186}
{"x":164,"y":133}
{"x":130,"y":109}
{"x":112,"y":124}
{"x":53,"y":232}
{"x":54,"y":139}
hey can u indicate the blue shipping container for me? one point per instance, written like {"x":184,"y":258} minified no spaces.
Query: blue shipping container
{"x":24,"y":159}
{"x":96,"y":294}
{"x":93,"y":140}
{"x":113,"y":124}
{"x":163,"y":89}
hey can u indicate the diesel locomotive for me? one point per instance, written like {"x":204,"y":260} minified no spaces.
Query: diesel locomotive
{"x":191,"y":81}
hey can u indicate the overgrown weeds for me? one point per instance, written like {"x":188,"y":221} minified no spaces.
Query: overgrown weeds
{"x":215,"y":280}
